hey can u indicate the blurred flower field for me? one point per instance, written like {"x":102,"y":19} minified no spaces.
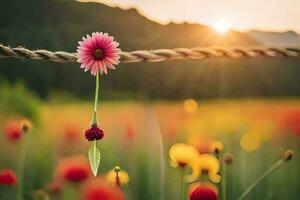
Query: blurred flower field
{"x":46,"y":158}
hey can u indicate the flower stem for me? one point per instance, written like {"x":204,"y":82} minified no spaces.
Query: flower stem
{"x":94,"y":119}
{"x":21,"y":169}
{"x":182,"y":170}
{"x":126,"y":191}
{"x":224,"y":181}
{"x":262,"y":177}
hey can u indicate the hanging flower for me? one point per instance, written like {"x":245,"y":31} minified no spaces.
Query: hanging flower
{"x":98,"y":189}
{"x":98,"y":52}
{"x":73,"y":169}
{"x":204,"y":192}
{"x":8,"y":177}
{"x":94,"y":133}
{"x":182,"y":154}
{"x":205,"y":163}
{"x":117,"y":177}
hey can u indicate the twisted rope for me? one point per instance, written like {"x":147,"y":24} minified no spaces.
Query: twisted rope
{"x":157,"y":55}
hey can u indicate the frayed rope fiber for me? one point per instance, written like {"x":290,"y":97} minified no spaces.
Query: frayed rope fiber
{"x":157,"y":55}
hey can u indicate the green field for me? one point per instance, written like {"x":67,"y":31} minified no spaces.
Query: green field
{"x":138,"y":136}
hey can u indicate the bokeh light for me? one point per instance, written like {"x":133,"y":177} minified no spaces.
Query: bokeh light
{"x":250,"y":141}
{"x":190,"y":105}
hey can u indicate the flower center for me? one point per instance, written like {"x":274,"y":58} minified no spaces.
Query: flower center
{"x":98,"y":54}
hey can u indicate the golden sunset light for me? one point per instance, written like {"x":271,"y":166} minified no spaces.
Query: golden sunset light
{"x":222,"y":26}
{"x":244,"y":15}
{"x":149,"y":99}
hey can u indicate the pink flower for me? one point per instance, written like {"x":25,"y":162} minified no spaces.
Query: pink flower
{"x":97,"y":53}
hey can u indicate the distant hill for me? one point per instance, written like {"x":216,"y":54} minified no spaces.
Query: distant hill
{"x":59,"y":24}
{"x":278,"y":39}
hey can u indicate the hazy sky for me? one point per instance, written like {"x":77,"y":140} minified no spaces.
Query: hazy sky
{"x":277,"y":15}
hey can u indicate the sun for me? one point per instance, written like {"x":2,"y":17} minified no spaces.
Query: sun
{"x":222,"y":26}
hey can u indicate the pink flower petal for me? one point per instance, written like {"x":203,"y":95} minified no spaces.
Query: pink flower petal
{"x":87,"y":47}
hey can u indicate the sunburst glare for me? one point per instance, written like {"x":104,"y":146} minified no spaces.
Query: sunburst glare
{"x":222,"y":26}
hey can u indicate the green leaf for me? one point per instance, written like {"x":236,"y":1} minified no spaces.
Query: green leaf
{"x":94,"y":157}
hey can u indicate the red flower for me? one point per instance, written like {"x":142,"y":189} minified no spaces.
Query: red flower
{"x":55,"y":187}
{"x":8,"y":177}
{"x":94,"y":133}
{"x":13,"y":130}
{"x":202,"y":143}
{"x":204,"y":192}
{"x":129,"y":132}
{"x":73,"y":169}
{"x":292,"y":121}
{"x":71,"y":133}
{"x":98,"y":189}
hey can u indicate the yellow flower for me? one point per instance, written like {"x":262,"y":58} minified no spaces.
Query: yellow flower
{"x":205,"y":163}
{"x":182,"y":154}
{"x":190,"y":105}
{"x":117,"y":177}
{"x":216,"y":147}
